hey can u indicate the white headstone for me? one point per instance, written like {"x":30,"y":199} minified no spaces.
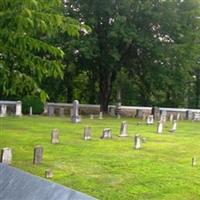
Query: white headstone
{"x":75,"y":118}
{"x":150,"y":120}
{"x":171,"y":118}
{"x":55,"y":136}
{"x":106,"y":133}
{"x":6,"y":155}
{"x":3,"y":110}
{"x":87,"y":133}
{"x":160,"y":127}
{"x":123,"y":129}
{"x":101,"y":115}
{"x":194,"y":161}
{"x":30,"y":111}
{"x":174,"y":125}
{"x":19,"y":108}
{"x":137,"y":142}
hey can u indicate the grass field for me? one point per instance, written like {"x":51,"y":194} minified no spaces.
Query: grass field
{"x":110,"y":169}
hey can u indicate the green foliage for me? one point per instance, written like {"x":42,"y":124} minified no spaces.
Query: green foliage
{"x":26,"y":54}
{"x":34,"y":102}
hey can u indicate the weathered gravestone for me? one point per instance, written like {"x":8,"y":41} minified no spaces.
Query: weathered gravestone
{"x":51,"y":110}
{"x":171,"y":118}
{"x":19,"y":108}
{"x":106,"y":133}
{"x":30,"y":111}
{"x":123,"y":129}
{"x":163,"y":116}
{"x":6,"y":155}
{"x":62,"y":111}
{"x":137,"y":142}
{"x":156,"y":112}
{"x":174,"y":125}
{"x":3,"y":110}
{"x":55,"y":136}
{"x":150,"y":120}
{"x":48,"y":173}
{"x":101,"y":115}
{"x":87,"y":133}
{"x":196,"y":116}
{"x":38,"y":154}
{"x":16,"y":184}
{"x":178,"y":116}
{"x":194,"y":161}
{"x":189,"y":115}
{"x":75,"y":118}
{"x":160,"y":127}
{"x":91,"y":116}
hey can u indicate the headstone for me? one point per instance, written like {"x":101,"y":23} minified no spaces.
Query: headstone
{"x":19,"y":108}
{"x":144,"y":116}
{"x":163,"y":116}
{"x":139,"y":113}
{"x":87,"y":133}
{"x":106,"y":133}
{"x":173,"y":129}
{"x":55,"y":136}
{"x":30,"y":111}
{"x":6,"y":155}
{"x":160,"y":127}
{"x":62,"y":111}
{"x":150,"y":120}
{"x":38,"y":154}
{"x":196,"y":116}
{"x":48,"y":173}
{"x":101,"y":115}
{"x":137,"y":141}
{"x":118,"y":116}
{"x":189,"y":115}
{"x":178,"y":116}
{"x":171,"y":118}
{"x":156,"y":112}
{"x":123,"y":129}
{"x":3,"y":110}
{"x":194,"y":161}
{"x":91,"y":116}
{"x":51,"y":110}
{"x":75,"y":118}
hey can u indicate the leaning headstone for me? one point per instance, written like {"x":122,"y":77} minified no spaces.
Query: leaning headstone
{"x":101,"y":115}
{"x":137,"y":142}
{"x":55,"y":136}
{"x":30,"y":111}
{"x":178,"y":116}
{"x":3,"y":110}
{"x":123,"y":129}
{"x":174,"y":125}
{"x":150,"y":120}
{"x":194,"y":161}
{"x":75,"y":118}
{"x":87,"y":133}
{"x":62,"y":111}
{"x":160,"y":127}
{"x":38,"y":154}
{"x":171,"y":118}
{"x":6,"y":155}
{"x":48,"y":173}
{"x":106,"y":133}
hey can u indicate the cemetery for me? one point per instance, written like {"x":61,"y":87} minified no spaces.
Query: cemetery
{"x":105,"y":157}
{"x":100,"y":100}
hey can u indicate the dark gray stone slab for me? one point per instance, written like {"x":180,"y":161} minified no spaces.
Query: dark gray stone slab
{"x":18,"y":185}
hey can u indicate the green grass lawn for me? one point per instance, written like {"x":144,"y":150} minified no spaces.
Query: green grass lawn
{"x":110,"y":169}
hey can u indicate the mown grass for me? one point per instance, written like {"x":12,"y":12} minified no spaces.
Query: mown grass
{"x":109,"y":169}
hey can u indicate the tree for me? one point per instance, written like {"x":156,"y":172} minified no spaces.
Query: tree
{"x":26,"y":53}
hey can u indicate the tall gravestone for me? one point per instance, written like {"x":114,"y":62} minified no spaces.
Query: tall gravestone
{"x":87,"y":133}
{"x":3,"y":110}
{"x":150,"y":120}
{"x":160,"y":127}
{"x":38,"y":155}
{"x":75,"y":118}
{"x":30,"y":111}
{"x":6,"y":155}
{"x":19,"y":108}
{"x":137,"y":142}
{"x":174,"y":125}
{"x":156,"y":112}
{"x":171,"y":118}
{"x":123,"y":129}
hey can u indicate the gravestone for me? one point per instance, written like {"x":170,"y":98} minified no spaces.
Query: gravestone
{"x":6,"y":155}
{"x":51,"y":111}
{"x":150,"y":120}
{"x":106,"y":133}
{"x":55,"y":136}
{"x":171,"y":118}
{"x":194,"y":161}
{"x":196,"y":116}
{"x":3,"y":110}
{"x":178,"y":116}
{"x":137,"y":142}
{"x":62,"y":111}
{"x":163,"y":116}
{"x":123,"y":129}
{"x":87,"y":133}
{"x":139,"y":113}
{"x":160,"y":127}
{"x":101,"y":115}
{"x":19,"y":108}
{"x":118,"y":116}
{"x":174,"y":125}
{"x":38,"y":154}
{"x":75,"y":118}
{"x":91,"y":116}
{"x":48,"y":173}
{"x":189,"y":115}
{"x":30,"y":111}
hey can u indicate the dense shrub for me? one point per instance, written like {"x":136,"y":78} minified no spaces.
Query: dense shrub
{"x":34,"y":102}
